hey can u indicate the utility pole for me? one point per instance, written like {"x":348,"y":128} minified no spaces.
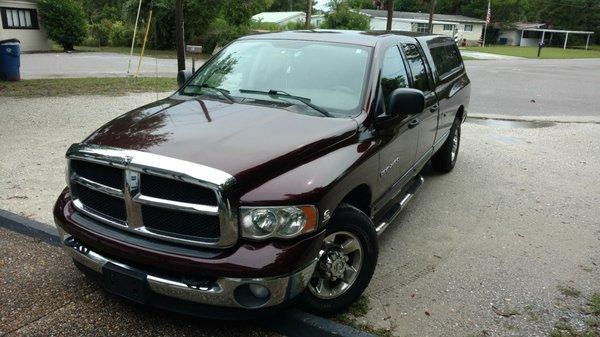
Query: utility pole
{"x":390,"y":14}
{"x":179,"y":35}
{"x":308,"y":13}
{"x":431,"y":11}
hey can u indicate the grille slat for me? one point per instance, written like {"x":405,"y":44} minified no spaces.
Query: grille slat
{"x":102,"y":174}
{"x":181,"y":224}
{"x":155,"y":219}
{"x":159,"y":187}
{"x":102,"y":203}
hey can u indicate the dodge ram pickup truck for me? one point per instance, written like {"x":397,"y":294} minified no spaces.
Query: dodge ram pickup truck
{"x":266,"y":179}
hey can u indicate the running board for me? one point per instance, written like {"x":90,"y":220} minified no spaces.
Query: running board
{"x":393,"y":213}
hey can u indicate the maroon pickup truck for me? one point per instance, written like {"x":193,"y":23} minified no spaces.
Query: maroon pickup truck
{"x":267,"y":177}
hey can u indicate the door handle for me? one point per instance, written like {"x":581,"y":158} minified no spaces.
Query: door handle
{"x":412,"y":124}
{"x":434,"y":108}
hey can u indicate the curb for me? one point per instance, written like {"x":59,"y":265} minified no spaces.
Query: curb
{"x":293,"y":322}
{"x":28,"y":227}
{"x":296,"y":323}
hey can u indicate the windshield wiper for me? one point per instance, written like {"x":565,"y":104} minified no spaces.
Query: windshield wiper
{"x":281,"y":93}
{"x":223,"y":92}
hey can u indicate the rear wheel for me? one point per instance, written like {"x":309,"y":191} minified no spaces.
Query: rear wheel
{"x":445,"y":159}
{"x":346,"y":263}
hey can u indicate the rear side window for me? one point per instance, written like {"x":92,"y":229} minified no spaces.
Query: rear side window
{"x":393,"y":73}
{"x":417,"y":67}
{"x":446,"y":59}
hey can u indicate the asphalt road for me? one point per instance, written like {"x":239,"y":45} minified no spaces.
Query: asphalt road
{"x":97,"y":64}
{"x":534,"y":88}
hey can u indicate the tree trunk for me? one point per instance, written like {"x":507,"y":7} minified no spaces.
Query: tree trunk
{"x":390,"y":14}
{"x":308,"y":13}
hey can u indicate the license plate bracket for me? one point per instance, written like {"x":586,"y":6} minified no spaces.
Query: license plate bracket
{"x":125,"y":282}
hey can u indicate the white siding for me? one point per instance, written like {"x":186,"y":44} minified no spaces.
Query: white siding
{"x":474,"y":35}
{"x":31,"y":39}
{"x":381,"y":24}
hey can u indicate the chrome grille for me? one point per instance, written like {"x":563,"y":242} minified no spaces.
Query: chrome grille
{"x":153,"y":195}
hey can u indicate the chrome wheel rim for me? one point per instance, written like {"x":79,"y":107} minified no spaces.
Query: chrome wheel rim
{"x":454,"y":145}
{"x":340,"y":261}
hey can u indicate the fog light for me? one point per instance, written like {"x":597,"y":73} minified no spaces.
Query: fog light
{"x":259,"y":291}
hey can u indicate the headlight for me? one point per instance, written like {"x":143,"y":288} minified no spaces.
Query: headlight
{"x":279,"y":222}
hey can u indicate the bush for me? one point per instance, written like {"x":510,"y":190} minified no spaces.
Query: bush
{"x":120,"y":34}
{"x":344,"y":18}
{"x":222,"y":32}
{"x":65,"y":21}
{"x":100,"y":32}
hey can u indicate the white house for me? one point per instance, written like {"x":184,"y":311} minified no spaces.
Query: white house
{"x":531,"y":34}
{"x":458,"y":26}
{"x":20,"y":20}
{"x":512,"y":35}
{"x":280,"y":18}
{"x":316,"y":20}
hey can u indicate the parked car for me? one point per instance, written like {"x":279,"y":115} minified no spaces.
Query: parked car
{"x":269,"y":174}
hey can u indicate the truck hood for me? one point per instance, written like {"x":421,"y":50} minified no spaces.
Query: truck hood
{"x":240,"y":139}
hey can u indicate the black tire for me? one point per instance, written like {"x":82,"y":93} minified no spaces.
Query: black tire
{"x":347,"y":218}
{"x":443,"y":160}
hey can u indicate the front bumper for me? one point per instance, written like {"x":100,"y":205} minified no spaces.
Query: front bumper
{"x":221,"y":292}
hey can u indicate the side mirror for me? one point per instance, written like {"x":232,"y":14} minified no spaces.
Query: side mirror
{"x":405,"y":101}
{"x":183,"y":76}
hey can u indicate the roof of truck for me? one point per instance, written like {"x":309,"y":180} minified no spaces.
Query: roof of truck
{"x":365,"y":38}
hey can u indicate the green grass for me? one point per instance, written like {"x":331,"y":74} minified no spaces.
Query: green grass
{"x":547,"y":53}
{"x":358,"y":309}
{"x":568,"y":291}
{"x":149,"y":51}
{"x":86,"y":86}
{"x":595,"y":303}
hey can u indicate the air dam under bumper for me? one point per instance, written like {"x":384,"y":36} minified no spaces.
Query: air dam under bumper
{"x":241,"y":293}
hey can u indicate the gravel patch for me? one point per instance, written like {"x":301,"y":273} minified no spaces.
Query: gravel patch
{"x":35,"y":134}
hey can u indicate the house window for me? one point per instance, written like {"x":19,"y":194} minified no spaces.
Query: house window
{"x":19,"y":18}
{"x":448,"y":27}
{"x":468,"y":28}
{"x":422,"y":28}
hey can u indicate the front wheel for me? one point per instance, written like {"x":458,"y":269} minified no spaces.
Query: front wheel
{"x":347,"y":260}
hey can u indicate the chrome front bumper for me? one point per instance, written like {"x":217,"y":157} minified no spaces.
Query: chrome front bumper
{"x":224,"y":292}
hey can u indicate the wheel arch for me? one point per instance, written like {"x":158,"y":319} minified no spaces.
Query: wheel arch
{"x":359,"y":197}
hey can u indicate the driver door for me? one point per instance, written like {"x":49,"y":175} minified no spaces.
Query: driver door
{"x":399,"y":137}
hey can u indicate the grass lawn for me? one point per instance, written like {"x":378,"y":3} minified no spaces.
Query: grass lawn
{"x":86,"y":86}
{"x":547,"y":53}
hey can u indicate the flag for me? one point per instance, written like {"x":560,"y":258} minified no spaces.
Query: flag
{"x":489,"y":15}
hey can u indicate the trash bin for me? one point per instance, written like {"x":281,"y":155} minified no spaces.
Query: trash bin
{"x":10,"y":60}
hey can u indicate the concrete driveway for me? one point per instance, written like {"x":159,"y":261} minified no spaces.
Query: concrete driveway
{"x":487,"y":250}
{"x":487,"y":56}
{"x":57,"y":65}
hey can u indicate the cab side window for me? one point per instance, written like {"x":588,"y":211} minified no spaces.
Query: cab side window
{"x":446,"y":59}
{"x":420,"y":79}
{"x":393,"y":73}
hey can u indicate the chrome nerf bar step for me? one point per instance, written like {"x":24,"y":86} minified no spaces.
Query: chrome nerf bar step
{"x":393,"y":213}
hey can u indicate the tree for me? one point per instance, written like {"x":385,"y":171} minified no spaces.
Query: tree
{"x":65,"y":21}
{"x":343,"y":18}
{"x":289,"y":5}
{"x":238,"y":12}
{"x":198,"y":15}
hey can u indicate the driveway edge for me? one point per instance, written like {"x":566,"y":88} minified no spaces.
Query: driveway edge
{"x":293,"y":323}
{"x":31,"y":228}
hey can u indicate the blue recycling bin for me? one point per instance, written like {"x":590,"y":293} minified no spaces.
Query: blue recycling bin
{"x":10,"y":60}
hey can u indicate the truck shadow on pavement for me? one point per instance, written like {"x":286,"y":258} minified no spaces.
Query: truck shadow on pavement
{"x":43,"y":293}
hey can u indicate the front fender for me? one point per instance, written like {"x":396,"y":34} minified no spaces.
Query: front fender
{"x":324,"y":181}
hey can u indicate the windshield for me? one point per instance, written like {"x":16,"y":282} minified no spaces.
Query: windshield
{"x":325,"y":79}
